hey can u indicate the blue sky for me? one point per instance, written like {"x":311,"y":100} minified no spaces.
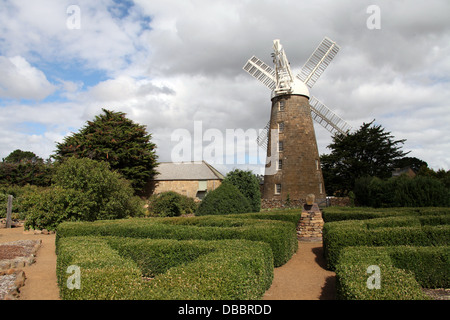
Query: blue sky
{"x":169,"y":63}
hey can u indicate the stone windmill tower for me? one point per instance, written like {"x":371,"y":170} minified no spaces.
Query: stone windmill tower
{"x":293,"y":166}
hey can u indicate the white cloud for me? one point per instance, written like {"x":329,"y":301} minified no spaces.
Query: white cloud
{"x":20,"y":80}
{"x":169,"y":63}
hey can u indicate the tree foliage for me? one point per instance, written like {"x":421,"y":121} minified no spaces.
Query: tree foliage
{"x":370,"y":151}
{"x":18,"y":156}
{"x":20,"y":168}
{"x":226,"y":199}
{"x":402,"y":191}
{"x":248,"y":185}
{"x":171,"y":204}
{"x":83,"y":190}
{"x":113,"y":138}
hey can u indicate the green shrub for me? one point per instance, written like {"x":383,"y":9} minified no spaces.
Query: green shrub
{"x":332,"y":214}
{"x":248,"y":184}
{"x":280,"y":235}
{"x":403,"y":191}
{"x":50,"y":207}
{"x":226,"y":199}
{"x":352,"y":277}
{"x":19,"y":206}
{"x":83,"y":190}
{"x":403,"y":271}
{"x":171,"y":204}
{"x":113,"y":268}
{"x":390,"y":231}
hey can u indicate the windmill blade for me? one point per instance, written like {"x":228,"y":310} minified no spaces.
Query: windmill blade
{"x":261,"y":71}
{"x":327,"y":118}
{"x":318,"y":62}
{"x":263,"y":138}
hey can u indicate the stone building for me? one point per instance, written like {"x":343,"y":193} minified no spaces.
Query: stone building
{"x":192,"y":179}
{"x":298,"y":171}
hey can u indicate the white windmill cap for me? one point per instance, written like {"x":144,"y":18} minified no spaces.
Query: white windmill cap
{"x":297,"y":87}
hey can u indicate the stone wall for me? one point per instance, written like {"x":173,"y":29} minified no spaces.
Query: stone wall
{"x":185,"y":187}
{"x":269,"y":204}
{"x":339,"y":201}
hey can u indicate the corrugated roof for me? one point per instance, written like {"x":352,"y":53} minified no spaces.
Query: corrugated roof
{"x":196,"y":170}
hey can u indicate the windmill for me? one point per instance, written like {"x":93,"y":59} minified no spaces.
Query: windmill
{"x":298,"y":171}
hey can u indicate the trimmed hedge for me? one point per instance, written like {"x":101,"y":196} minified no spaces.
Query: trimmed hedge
{"x":332,"y":214}
{"x":113,"y":268}
{"x":391,"y":231}
{"x":280,"y":235}
{"x":403,"y":271}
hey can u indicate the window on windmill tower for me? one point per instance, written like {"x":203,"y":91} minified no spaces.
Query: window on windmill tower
{"x":280,"y":164}
{"x":317,"y":164}
{"x":281,"y":106}
{"x":280,"y":146}
{"x":280,"y":127}
{"x":278,"y":188}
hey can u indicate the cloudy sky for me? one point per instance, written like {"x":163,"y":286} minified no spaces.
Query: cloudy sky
{"x":176,"y":66}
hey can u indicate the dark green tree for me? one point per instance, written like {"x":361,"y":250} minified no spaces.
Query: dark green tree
{"x":113,"y":138}
{"x":248,"y":185}
{"x":412,"y":162}
{"x":25,"y":167}
{"x":18,"y":156}
{"x":370,"y":151}
{"x":226,"y":199}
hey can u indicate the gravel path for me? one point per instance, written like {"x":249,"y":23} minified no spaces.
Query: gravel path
{"x":303,"y":277}
{"x":40,"y":283}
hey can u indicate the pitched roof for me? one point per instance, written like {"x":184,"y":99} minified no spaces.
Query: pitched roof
{"x":196,"y":170}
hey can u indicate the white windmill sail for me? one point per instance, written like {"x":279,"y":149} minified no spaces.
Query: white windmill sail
{"x":327,"y":118}
{"x":261,"y":71}
{"x":280,"y":82}
{"x":263,"y":138}
{"x":318,"y":62}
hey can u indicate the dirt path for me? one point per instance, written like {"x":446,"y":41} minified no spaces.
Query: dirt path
{"x":304,"y":277}
{"x":40,"y":283}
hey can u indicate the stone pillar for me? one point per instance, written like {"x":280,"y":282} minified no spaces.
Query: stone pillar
{"x":311,"y":223}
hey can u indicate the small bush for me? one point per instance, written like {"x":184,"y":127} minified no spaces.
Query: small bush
{"x":226,"y":199}
{"x":171,"y":204}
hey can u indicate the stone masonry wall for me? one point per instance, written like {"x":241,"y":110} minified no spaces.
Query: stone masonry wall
{"x":310,"y":225}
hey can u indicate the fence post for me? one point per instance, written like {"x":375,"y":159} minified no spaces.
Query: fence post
{"x":9,"y":211}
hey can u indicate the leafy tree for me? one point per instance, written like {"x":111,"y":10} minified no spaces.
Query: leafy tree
{"x":226,"y":199}
{"x":113,"y":138}
{"x":248,"y":185}
{"x":83,"y":190}
{"x":370,"y":151}
{"x":25,"y":167}
{"x":412,"y":162}
{"x":18,"y":156}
